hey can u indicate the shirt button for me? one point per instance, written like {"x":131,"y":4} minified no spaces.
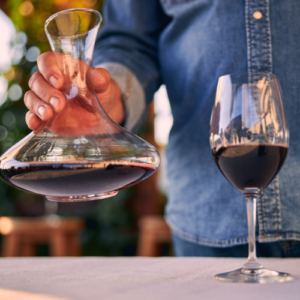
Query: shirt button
{"x":257,"y":15}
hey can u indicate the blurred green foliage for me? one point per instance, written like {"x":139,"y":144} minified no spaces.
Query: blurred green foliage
{"x":109,"y":222}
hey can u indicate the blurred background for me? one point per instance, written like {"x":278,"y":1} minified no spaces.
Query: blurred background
{"x":109,"y":227}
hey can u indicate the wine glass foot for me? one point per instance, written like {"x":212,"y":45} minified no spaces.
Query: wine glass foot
{"x":81,"y":198}
{"x":254,"y":276}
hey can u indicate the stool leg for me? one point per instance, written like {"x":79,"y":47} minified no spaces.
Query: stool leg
{"x":27,"y":247}
{"x":10,"y":245}
{"x":74,"y":245}
{"x":57,"y":244}
{"x":147,"y":245}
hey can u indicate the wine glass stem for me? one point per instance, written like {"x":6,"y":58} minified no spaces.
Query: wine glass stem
{"x":252,"y":262}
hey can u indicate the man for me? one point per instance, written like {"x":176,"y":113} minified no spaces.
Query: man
{"x":187,"y":45}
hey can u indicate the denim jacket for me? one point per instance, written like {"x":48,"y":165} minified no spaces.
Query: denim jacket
{"x":187,"y":45}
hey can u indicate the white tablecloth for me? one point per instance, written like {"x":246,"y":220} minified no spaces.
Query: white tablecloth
{"x":138,"y":278}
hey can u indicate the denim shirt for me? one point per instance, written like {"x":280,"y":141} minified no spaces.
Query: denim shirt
{"x":187,"y":45}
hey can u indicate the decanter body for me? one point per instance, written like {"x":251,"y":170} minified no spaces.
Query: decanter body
{"x":80,"y":153}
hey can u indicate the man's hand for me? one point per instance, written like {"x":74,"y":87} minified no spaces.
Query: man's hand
{"x":45,"y":98}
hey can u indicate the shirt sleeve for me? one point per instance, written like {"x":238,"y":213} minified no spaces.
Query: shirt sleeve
{"x":127,"y":46}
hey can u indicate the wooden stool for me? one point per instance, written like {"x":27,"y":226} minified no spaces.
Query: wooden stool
{"x":153,"y":231}
{"x":20,"y":235}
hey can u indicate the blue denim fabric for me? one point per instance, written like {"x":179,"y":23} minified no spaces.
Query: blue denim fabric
{"x":281,"y":249}
{"x":187,"y":45}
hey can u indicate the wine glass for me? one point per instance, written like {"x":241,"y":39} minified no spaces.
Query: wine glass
{"x":249,"y":138}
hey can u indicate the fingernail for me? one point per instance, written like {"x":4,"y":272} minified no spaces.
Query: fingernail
{"x":54,"y":102}
{"x":96,"y":73}
{"x":41,"y":111}
{"x":54,"y":81}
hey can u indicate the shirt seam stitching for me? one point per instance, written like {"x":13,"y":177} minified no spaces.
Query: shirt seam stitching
{"x":233,"y":242}
{"x":175,"y":2}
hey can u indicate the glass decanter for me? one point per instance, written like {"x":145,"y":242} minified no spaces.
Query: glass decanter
{"x":84,"y":156}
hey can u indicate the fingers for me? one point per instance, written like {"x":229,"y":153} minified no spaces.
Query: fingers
{"x":45,"y":92}
{"x":48,"y":66}
{"x":38,"y":107}
{"x":32,"y":120}
{"x":100,"y":79}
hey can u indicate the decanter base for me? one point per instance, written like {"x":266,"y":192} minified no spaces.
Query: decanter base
{"x":254,"y":276}
{"x":81,"y":198}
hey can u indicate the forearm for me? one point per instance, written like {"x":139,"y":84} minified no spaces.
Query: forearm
{"x":129,"y":38}
{"x":115,"y":108}
{"x":131,"y":94}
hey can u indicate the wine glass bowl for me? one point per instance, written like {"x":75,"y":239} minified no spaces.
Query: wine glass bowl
{"x":249,"y":138}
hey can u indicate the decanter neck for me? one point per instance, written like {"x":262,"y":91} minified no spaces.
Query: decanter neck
{"x":72,"y":35}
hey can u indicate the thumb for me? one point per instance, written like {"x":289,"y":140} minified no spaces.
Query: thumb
{"x":100,"y":79}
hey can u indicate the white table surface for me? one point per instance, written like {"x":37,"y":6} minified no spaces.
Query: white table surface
{"x":89,"y":278}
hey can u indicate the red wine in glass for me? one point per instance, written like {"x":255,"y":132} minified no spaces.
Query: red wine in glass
{"x":250,"y":166}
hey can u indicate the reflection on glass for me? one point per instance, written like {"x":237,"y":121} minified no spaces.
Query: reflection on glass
{"x":248,"y":119}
